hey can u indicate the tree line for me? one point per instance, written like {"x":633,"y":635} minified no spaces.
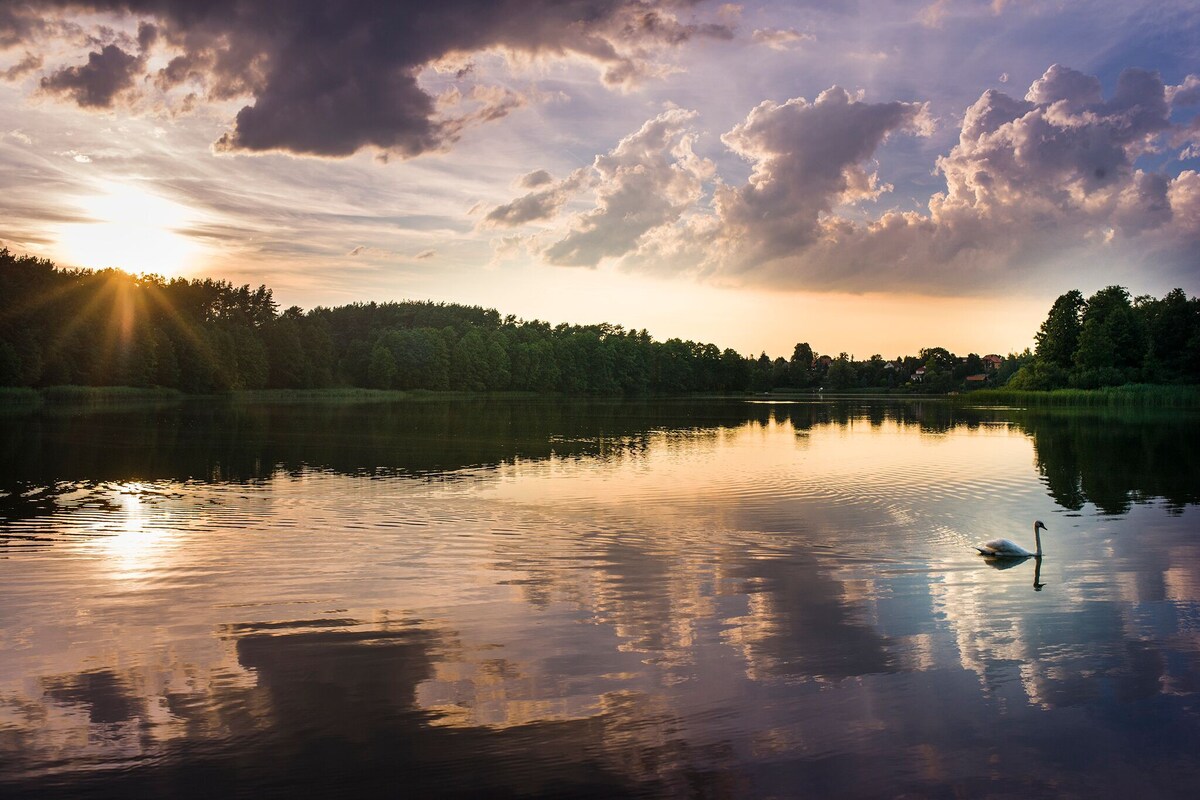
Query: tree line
{"x":110,"y":328}
{"x":1111,"y":339}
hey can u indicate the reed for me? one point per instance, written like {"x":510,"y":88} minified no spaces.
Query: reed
{"x":19,"y":396}
{"x":106,"y":395}
{"x":1134,"y":395}
{"x":356,"y":395}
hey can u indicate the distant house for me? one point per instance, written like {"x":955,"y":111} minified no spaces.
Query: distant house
{"x":992,"y":362}
{"x":975,"y":381}
{"x":919,"y":375}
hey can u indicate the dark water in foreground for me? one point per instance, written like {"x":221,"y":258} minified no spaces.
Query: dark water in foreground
{"x":502,"y":597}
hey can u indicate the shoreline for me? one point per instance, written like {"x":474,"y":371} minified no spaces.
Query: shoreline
{"x":1130,"y":395}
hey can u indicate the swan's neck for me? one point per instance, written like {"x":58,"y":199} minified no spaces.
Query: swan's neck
{"x":1037,"y":537}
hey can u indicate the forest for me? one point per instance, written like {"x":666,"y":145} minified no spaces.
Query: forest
{"x":109,"y":328}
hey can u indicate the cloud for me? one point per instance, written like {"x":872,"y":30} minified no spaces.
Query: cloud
{"x":480,"y":104}
{"x":807,"y":158}
{"x":96,"y":84}
{"x":646,"y":182}
{"x":1033,"y":184}
{"x":367,"y":251}
{"x":934,"y":14}
{"x":538,"y":205}
{"x":780,"y":38}
{"x":509,"y":248}
{"x":1063,"y":146}
{"x":532,"y":180}
{"x":329,"y":79}
{"x":29,"y":63}
{"x":1064,"y":85}
{"x":19,"y":24}
{"x":1186,"y":93}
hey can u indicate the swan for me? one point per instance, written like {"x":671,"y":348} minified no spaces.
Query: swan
{"x":1006,"y":548}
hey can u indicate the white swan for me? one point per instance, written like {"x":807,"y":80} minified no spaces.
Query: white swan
{"x":1006,"y":548}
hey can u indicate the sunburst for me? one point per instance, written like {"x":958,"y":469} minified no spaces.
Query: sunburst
{"x":132,"y":228}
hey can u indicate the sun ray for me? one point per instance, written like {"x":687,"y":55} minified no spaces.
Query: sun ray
{"x":63,"y":334}
{"x":171,"y":315}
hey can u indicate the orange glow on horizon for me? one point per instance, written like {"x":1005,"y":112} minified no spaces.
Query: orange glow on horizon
{"x":755,"y":320}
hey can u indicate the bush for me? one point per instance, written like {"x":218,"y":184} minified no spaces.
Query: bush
{"x":1097,"y":378}
{"x":1038,"y":376}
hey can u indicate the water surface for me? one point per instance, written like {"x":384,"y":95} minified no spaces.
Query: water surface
{"x":512,"y":597}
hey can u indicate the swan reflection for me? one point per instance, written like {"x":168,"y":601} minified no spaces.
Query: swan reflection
{"x":1008,"y":563}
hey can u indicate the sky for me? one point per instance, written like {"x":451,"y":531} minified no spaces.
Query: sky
{"x":869,"y":177}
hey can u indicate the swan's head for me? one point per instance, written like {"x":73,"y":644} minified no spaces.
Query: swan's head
{"x":1040,"y":524}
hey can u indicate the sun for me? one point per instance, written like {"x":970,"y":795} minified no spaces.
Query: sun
{"x":131,"y":228}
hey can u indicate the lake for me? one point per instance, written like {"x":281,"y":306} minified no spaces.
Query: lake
{"x":501,"y":597}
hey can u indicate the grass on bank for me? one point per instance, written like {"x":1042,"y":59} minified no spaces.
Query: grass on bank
{"x":103,"y":396}
{"x":1133,"y":395}
{"x":19,"y":396}
{"x":355,"y":395}
{"x":90,"y":397}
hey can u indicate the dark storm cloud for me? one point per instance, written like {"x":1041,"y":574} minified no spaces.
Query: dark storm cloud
{"x":97,"y":83}
{"x":330,"y":78}
{"x":147,"y":35}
